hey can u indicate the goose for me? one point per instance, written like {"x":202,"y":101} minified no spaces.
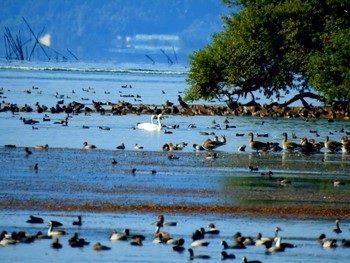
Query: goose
{"x":77,"y":223}
{"x":257,"y":145}
{"x":245,"y":260}
{"x":225,"y":255}
{"x":238,"y":245}
{"x":56,"y":244}
{"x":289,"y":146}
{"x":337,"y":228}
{"x":151,"y":126}
{"x":308,"y":147}
{"x":87,"y":146}
{"x":51,"y":233}
{"x":346,"y":144}
{"x":98,"y":247}
{"x":192,"y":256}
{"x":332,"y":146}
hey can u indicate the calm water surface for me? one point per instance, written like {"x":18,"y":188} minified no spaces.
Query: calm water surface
{"x":65,"y":170}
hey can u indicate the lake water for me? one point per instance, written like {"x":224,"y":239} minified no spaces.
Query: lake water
{"x":70,"y":176}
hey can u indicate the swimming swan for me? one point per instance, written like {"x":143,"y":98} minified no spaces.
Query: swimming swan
{"x":151,"y":126}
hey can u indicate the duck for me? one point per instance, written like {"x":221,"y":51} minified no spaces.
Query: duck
{"x":282,"y":181}
{"x":27,"y":151}
{"x":246,"y":240}
{"x":35,"y":220}
{"x":276,"y":248}
{"x":179,"y":245}
{"x":117,"y":236}
{"x":337,"y":228}
{"x":211,"y":156}
{"x":198,"y":234}
{"x":245,"y":260}
{"x":50,"y":232}
{"x":242,"y":148}
{"x":225,"y":255}
{"x":289,"y":146}
{"x":345,"y":242}
{"x":332,"y":146}
{"x":198,"y":147}
{"x":87,"y":146}
{"x":257,"y":145}
{"x":104,"y":128}
{"x":136,"y":242}
{"x":200,"y":243}
{"x":77,"y":223}
{"x":56,"y":244}
{"x":98,"y":247}
{"x":132,"y":236}
{"x":6,"y":239}
{"x":238,"y":245}
{"x":212,"y":229}
{"x":172,"y":157}
{"x":114,"y":161}
{"x":42,"y":147}
{"x":260,"y":240}
{"x":121,"y":146}
{"x":75,"y":241}
{"x":138,"y":147}
{"x":162,"y":223}
{"x":192,"y":256}
{"x":327,"y":242}
{"x":337,"y":183}
{"x":151,"y":126}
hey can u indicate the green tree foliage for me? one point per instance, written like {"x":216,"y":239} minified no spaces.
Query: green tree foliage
{"x":273,"y":47}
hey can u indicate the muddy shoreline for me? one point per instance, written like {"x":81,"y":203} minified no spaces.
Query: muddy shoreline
{"x":294,"y":211}
{"x":338,"y":111}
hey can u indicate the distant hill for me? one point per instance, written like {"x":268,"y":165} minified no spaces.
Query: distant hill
{"x":98,"y":29}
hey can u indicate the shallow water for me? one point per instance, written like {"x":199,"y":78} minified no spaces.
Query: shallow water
{"x":68,"y":175}
{"x":98,"y":226}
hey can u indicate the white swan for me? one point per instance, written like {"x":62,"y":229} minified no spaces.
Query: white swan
{"x":151,"y":126}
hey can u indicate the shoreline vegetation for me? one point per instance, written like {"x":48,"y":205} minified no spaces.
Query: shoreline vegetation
{"x":336,"y":111}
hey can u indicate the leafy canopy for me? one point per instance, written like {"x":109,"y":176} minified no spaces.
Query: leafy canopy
{"x":273,"y":47}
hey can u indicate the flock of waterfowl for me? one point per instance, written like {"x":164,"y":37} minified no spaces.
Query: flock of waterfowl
{"x":199,"y":238}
